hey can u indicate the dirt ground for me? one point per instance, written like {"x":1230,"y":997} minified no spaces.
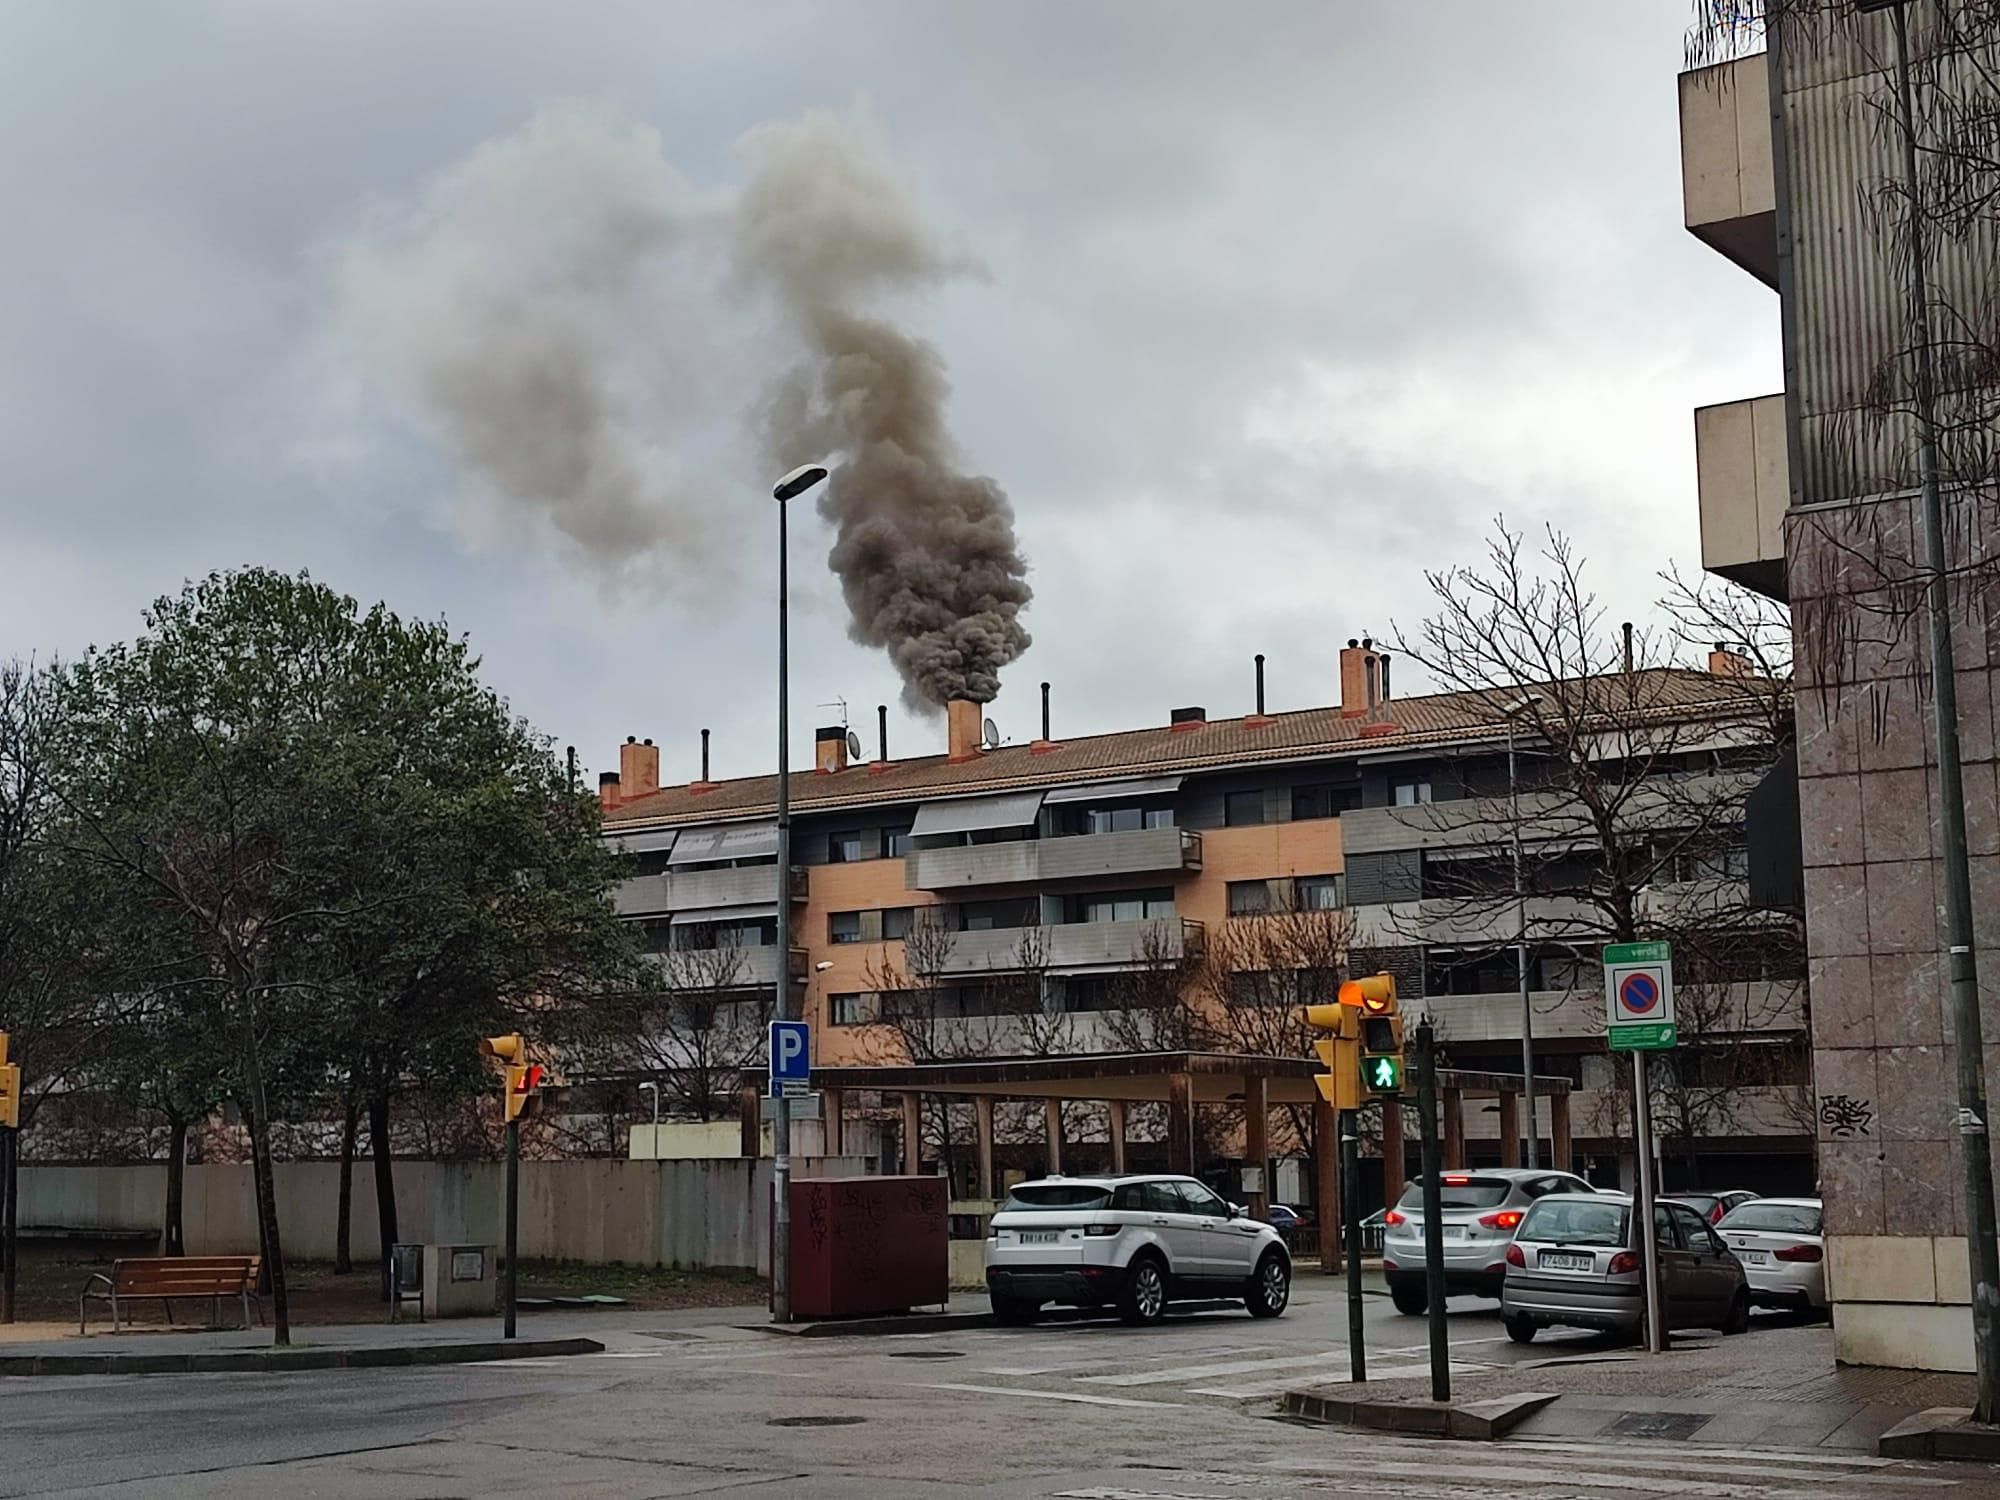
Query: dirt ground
{"x":47,"y":1288}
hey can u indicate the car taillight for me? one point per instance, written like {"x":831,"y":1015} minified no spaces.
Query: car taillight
{"x":1624,"y":1262}
{"x":1715,"y":1214}
{"x":1392,"y":1217}
{"x":1516,"y":1258}
{"x":1452,"y":1181}
{"x":1507,"y":1218}
{"x":1100,"y":1231}
{"x":1798,"y":1252}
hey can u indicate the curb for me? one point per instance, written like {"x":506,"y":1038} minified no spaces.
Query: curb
{"x":1474,"y":1421}
{"x":951,"y":1322}
{"x":1941,"y":1432}
{"x":272,"y":1361}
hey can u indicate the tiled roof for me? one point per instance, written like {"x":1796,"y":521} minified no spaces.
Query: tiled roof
{"x":1406,"y":724}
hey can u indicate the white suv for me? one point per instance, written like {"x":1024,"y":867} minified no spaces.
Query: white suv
{"x":1136,"y":1243}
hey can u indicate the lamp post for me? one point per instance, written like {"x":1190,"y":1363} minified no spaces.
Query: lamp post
{"x":791,"y":486}
{"x":1531,"y":1156}
{"x":649,"y":1087}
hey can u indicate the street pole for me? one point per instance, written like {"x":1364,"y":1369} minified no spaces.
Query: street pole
{"x":781,"y":1114}
{"x":1982,"y":1242}
{"x":1642,"y":1123}
{"x":1531,"y":1155}
{"x":10,"y":1202}
{"x":511,"y":1282}
{"x":1427,"y":1101}
{"x":1350,"y":1203}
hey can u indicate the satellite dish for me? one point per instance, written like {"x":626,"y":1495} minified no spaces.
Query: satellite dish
{"x":992,"y":733}
{"x":853,"y":745}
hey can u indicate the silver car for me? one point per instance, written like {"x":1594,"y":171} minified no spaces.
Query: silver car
{"x":1574,"y":1263}
{"x":1479,"y":1213}
{"x":1779,"y":1242}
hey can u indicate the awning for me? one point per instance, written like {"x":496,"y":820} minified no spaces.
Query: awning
{"x":725,"y":841}
{"x":642,"y":843}
{"x":969,"y":814}
{"x":1117,"y":791}
{"x":725,"y":914}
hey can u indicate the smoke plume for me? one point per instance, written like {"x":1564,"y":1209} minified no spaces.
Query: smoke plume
{"x":573,"y":322}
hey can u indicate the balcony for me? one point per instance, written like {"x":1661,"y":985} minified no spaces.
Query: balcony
{"x":1139,"y":851}
{"x":1073,"y":946}
{"x":1727,"y":184}
{"x":701,"y":890}
{"x":748,"y":969}
{"x":1767,"y":1007}
{"x":1744,"y":477}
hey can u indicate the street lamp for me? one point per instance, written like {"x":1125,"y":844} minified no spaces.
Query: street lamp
{"x":794,"y":484}
{"x":652,"y":1088}
{"x":1531,"y":1157}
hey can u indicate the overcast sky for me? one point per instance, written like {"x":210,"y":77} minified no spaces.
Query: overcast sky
{"x":1279,"y":305}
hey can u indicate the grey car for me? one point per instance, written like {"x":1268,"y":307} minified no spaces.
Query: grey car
{"x":1479,"y":1213}
{"x":1574,"y":1263}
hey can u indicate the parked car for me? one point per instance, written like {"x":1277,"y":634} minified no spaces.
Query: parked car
{"x":1133,"y":1243}
{"x":1713,"y":1206}
{"x":1574,"y":1264}
{"x":1479,"y":1213}
{"x":1284,"y":1218}
{"x":1784,"y":1256}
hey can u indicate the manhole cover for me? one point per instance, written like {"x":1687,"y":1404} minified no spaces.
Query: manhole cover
{"x":815,"y":1421}
{"x":1675,"y":1425}
{"x":928,"y":1354}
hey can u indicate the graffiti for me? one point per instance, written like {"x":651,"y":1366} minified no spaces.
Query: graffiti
{"x":1845,"y":1116}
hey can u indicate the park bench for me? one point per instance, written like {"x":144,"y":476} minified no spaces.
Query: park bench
{"x":168,"y":1277}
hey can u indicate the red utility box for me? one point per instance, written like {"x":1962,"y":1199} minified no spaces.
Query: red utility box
{"x":867,"y":1245}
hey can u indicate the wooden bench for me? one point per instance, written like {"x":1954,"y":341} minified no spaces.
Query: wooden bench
{"x":168,"y":1277}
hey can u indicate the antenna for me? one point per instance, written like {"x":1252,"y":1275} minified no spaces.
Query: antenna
{"x":991,"y":732}
{"x":853,"y":745}
{"x":839,"y":703}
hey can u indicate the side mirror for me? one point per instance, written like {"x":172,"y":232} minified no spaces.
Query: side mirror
{"x":1237,"y":1210}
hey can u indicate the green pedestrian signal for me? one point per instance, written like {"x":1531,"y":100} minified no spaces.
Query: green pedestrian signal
{"x":1383,"y":1075}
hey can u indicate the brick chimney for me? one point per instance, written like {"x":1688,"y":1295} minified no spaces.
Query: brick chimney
{"x":1726,"y":663}
{"x":1364,"y":679}
{"x":830,"y":748}
{"x":963,"y":730}
{"x":638,"y":769}
{"x":607,"y":790}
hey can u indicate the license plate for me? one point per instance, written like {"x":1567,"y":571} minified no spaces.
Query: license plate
{"x":1753,"y":1257}
{"x":1561,"y":1260}
{"x":1040,"y":1236}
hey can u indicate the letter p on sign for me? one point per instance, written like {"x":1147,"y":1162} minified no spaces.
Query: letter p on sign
{"x":791,"y":1058}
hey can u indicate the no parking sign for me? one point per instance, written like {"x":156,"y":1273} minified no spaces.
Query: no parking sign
{"x":1639,"y":996}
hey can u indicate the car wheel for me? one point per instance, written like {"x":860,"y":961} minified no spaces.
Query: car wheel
{"x":1143,"y":1297}
{"x":1014,"y":1312}
{"x":1738,"y":1320}
{"x":1521,"y":1330}
{"x":1271,"y":1288}
{"x":1409,"y":1299}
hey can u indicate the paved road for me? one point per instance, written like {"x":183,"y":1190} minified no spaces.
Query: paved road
{"x":679,"y":1407}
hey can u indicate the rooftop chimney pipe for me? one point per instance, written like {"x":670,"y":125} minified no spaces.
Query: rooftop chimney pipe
{"x":1627,"y":628}
{"x":963,"y":731}
{"x":882,"y":731}
{"x":704,"y":755}
{"x":1260,"y":684}
{"x":1045,"y":713}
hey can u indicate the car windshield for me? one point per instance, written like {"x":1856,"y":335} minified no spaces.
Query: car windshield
{"x":1575,"y":1221}
{"x":1785,"y":1218}
{"x":1035,"y":1196}
{"x":1701,"y":1203}
{"x":1456,"y":1190}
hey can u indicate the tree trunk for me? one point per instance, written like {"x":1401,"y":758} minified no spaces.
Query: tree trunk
{"x":173,"y":1229}
{"x":385,"y":1179}
{"x":267,"y":1202}
{"x":343,"y":1259}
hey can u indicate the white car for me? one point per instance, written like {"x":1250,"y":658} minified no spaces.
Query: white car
{"x":1479,"y":1212}
{"x":1783,"y":1253}
{"x":1135,"y":1243}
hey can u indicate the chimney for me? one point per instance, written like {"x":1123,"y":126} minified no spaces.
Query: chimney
{"x":880,"y":764}
{"x":1726,"y":663}
{"x":1187,"y":718}
{"x":638,"y":769}
{"x":607,"y":790}
{"x":830,"y":749}
{"x":1364,"y":679}
{"x":963,"y":731}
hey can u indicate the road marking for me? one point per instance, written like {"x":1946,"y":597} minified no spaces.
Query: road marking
{"x":1256,"y":1366}
{"x":1680,"y":1450}
{"x":1279,"y":1387}
{"x":1079,"y":1397}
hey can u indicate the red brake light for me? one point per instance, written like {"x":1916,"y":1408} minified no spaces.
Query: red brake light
{"x":1456,"y":1181}
{"x":1392,"y":1217}
{"x":1507,"y":1218}
{"x":1516,"y":1258}
{"x":1807,"y":1253}
{"x":1623,"y":1262}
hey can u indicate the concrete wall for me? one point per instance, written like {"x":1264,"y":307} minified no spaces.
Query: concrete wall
{"x":672,"y":1213}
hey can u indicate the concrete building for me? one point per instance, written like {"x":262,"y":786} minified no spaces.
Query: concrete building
{"x":1790,"y":159}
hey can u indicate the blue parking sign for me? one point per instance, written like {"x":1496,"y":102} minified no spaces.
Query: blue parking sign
{"x":791,"y":1058}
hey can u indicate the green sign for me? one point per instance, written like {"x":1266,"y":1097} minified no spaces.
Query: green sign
{"x":1638,"y":953}
{"x":1382,"y":1075}
{"x":1653,"y":1037}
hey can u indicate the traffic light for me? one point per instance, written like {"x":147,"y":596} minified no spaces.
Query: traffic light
{"x":1374,"y":999}
{"x":1339,"y":1051}
{"x":10,"y":1089}
{"x":524,"y":1079}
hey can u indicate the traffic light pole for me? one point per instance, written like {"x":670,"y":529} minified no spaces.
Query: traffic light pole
{"x":10,"y":1204}
{"x":1427,"y":1101}
{"x":1350,"y":1212}
{"x":510,"y":1281}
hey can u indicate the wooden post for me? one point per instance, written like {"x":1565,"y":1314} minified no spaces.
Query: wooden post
{"x":833,"y":1123}
{"x":748,"y":1102}
{"x":1052,"y":1133}
{"x":1510,"y":1128}
{"x":913,"y":1135}
{"x":1454,"y":1130}
{"x":1257,"y":1143}
{"x":1180,"y":1124}
{"x":982,"y":1118}
{"x":1326,"y":1162}
{"x":1117,"y":1110}
{"x":1392,"y":1151}
{"x":1561,"y":1154}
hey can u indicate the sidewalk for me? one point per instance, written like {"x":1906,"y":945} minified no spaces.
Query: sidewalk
{"x":1774,"y":1387}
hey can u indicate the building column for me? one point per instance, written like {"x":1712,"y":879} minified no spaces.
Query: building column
{"x":1561,"y":1154}
{"x":1326,"y":1161}
{"x":1392,"y":1151}
{"x":1454,"y":1129}
{"x":1180,"y":1124}
{"x":913,"y":1135}
{"x":1052,"y":1134}
{"x":833,"y":1124}
{"x":749,"y":1109}
{"x":1116,"y":1109}
{"x":1510,"y":1128}
{"x":982,"y":1120}
{"x":1257,"y":1142}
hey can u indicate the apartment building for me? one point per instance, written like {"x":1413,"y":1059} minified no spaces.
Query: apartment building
{"x":1056,"y":885}
{"x":1792,"y":160}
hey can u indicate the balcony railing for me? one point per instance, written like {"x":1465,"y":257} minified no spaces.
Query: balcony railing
{"x":1073,"y":946}
{"x":752,"y":968}
{"x":699,"y":890}
{"x":1138,"y":851}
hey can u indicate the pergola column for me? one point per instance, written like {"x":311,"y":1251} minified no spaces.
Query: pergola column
{"x":1510,"y":1128}
{"x":1561,"y":1154}
{"x":748,"y":1109}
{"x":1180,"y":1124}
{"x":913,"y":1134}
{"x":834,"y":1126}
{"x":1392,"y":1151}
{"x":1117,"y":1110}
{"x":1326,"y":1159}
{"x":1454,"y":1129}
{"x":1052,"y":1133}
{"x":982,"y":1120}
{"x":1256,"y":1142}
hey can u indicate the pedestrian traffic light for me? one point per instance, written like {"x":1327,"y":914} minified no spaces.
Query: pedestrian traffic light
{"x":524,"y":1079}
{"x":1381,"y":1031}
{"x":1339,"y":1051}
{"x":10,"y":1089}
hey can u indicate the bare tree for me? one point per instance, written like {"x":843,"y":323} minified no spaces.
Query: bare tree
{"x":699,"y":1025}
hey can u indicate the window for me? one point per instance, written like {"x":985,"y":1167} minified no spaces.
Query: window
{"x":1574,"y":1221}
{"x":1243,"y":809}
{"x":1087,"y":992}
{"x":896,"y":922}
{"x":1327,"y":800}
{"x":1412,"y":791}
{"x":1458,"y":1190}
{"x":851,"y":1008}
{"x":1032,"y":1196}
{"x":843,"y":927}
{"x":652,"y":862}
{"x":843,"y":848}
{"x":1784,"y":1218}
{"x":1200,"y":1200}
{"x":656,"y":935}
{"x":896,"y":841}
{"x":985,"y":916}
{"x":1121,"y":906}
{"x":1249,"y":898}
{"x":1160,"y":1198}
{"x":1250,"y":987}
{"x":1318,"y":893}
